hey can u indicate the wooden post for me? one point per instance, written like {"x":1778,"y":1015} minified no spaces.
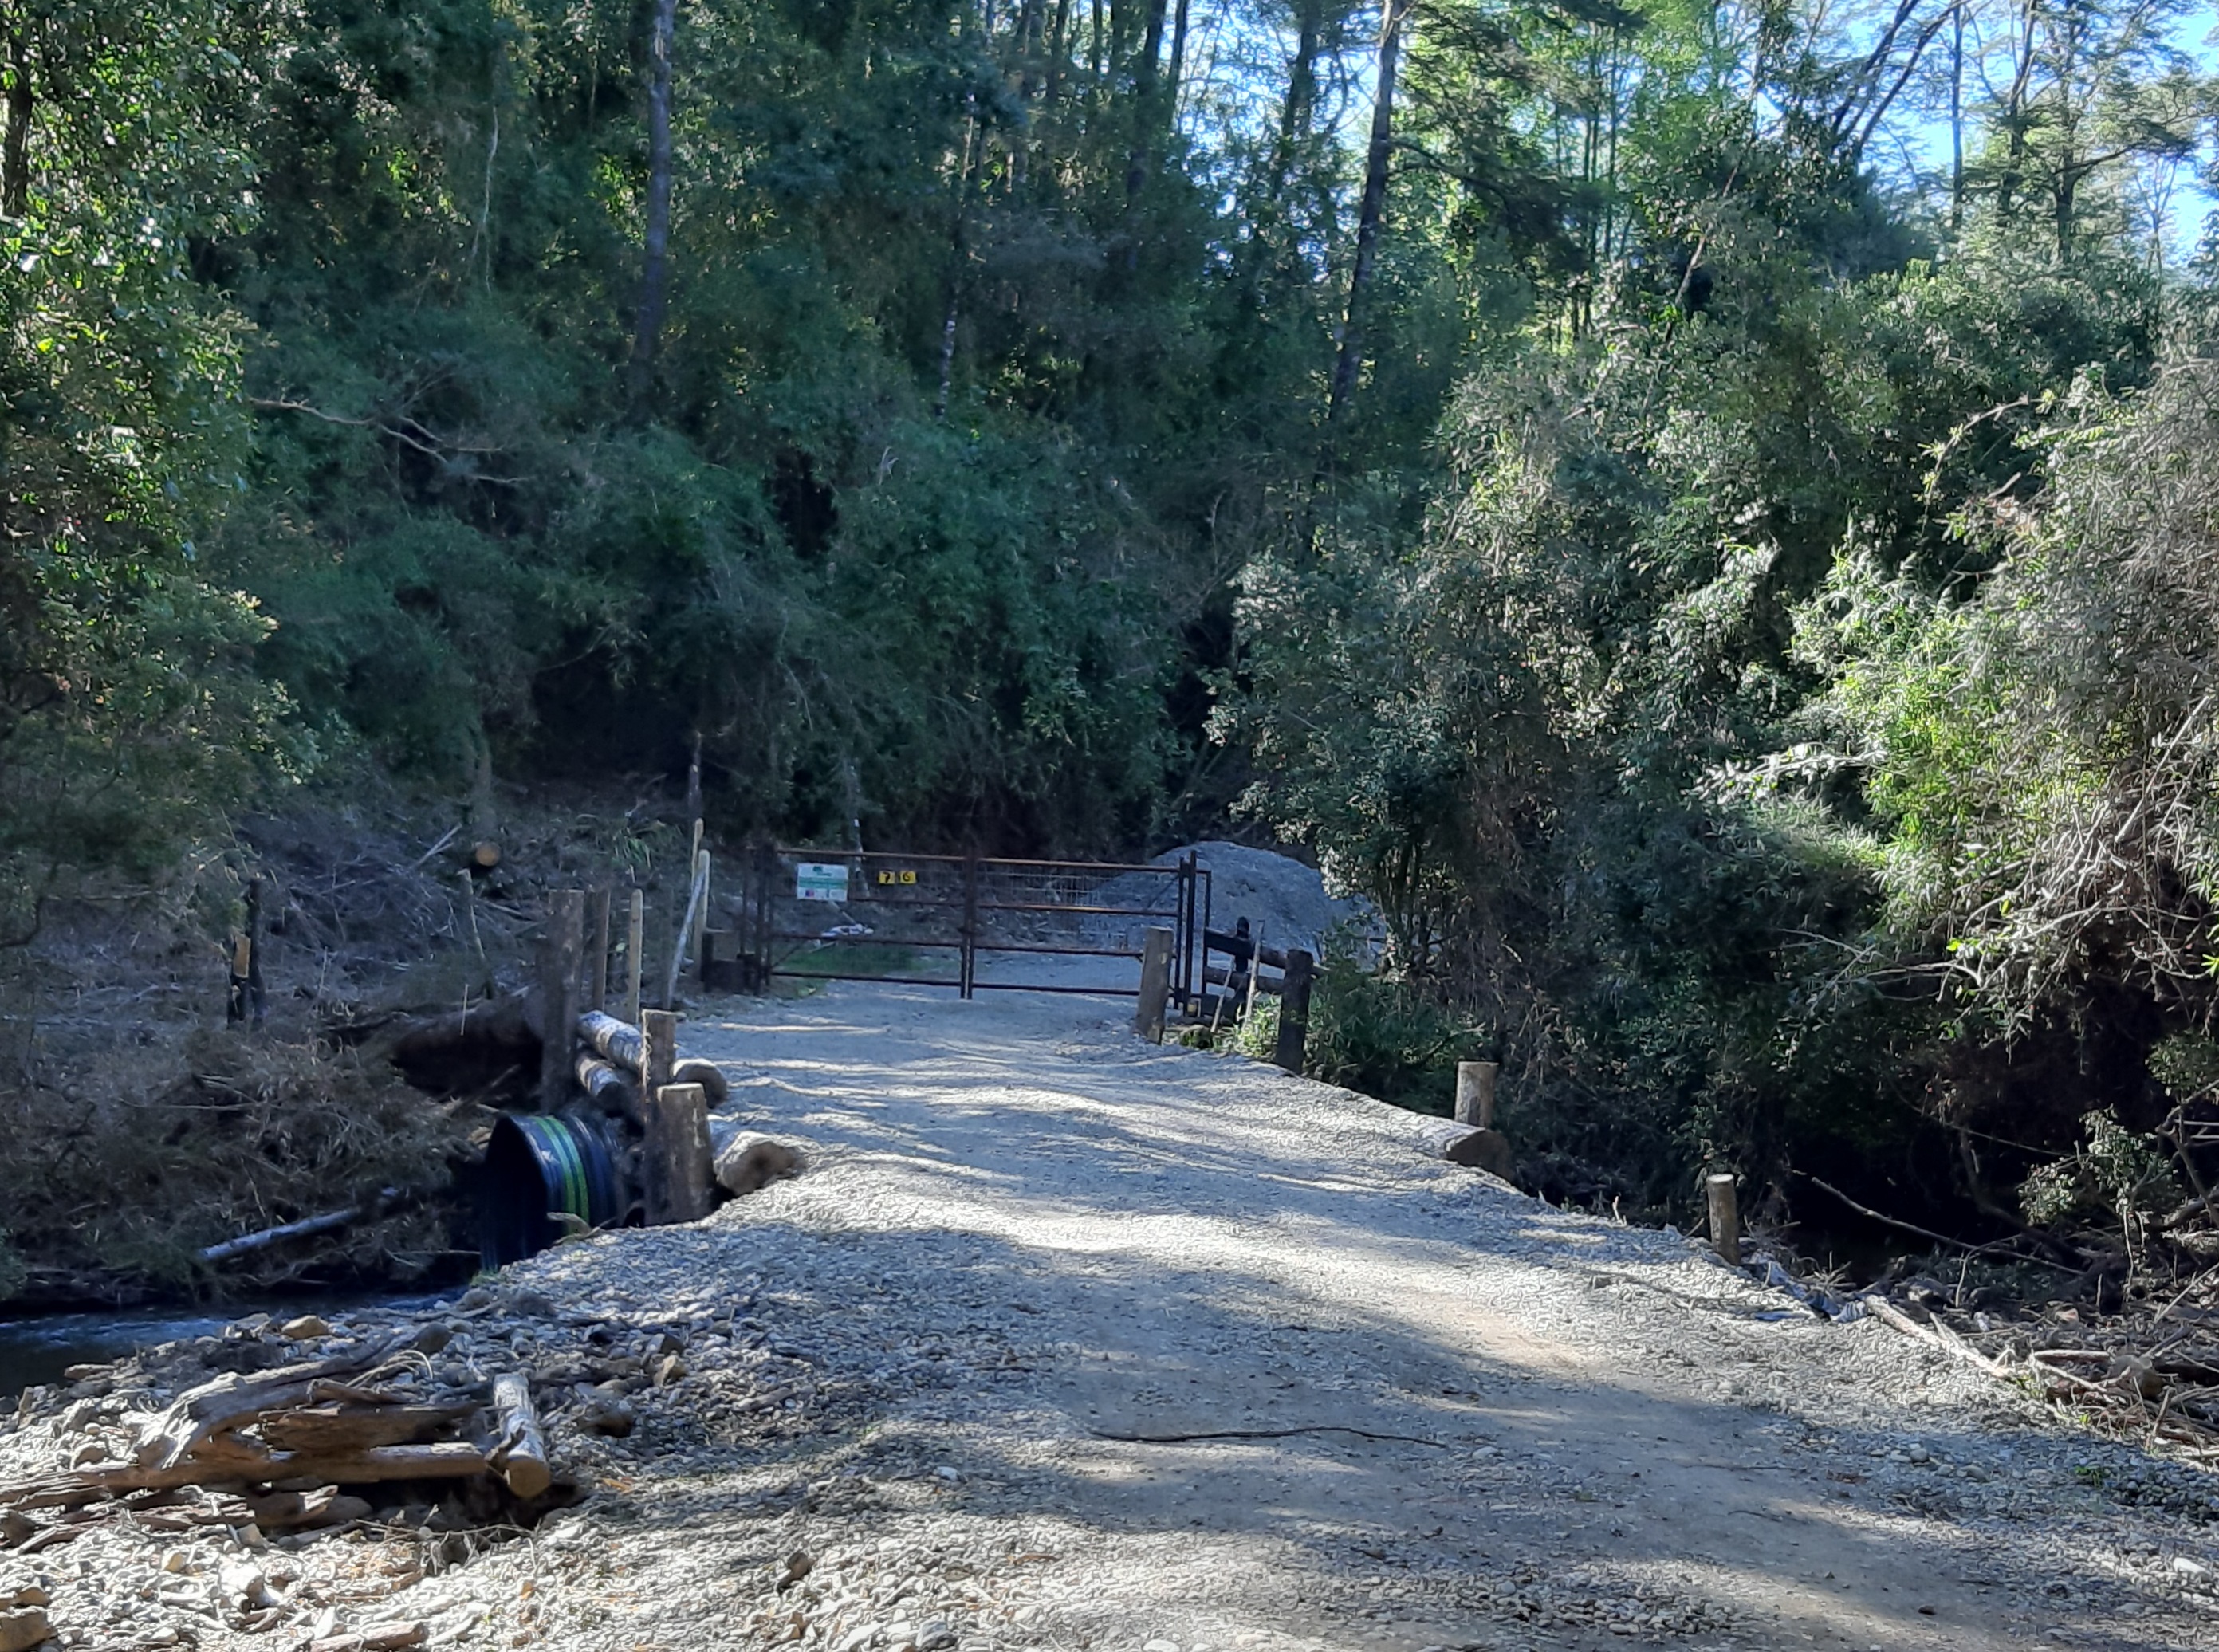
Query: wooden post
{"x":1725,"y":1217}
{"x":1155,"y":984}
{"x":597,"y":950}
{"x":559,"y":950}
{"x":661,"y":1029}
{"x":1475,"y":1093}
{"x":1294,"y":1010}
{"x":634,"y":944}
{"x":679,"y":1168}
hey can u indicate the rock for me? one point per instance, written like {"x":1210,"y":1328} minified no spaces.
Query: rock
{"x":1915,"y":1453}
{"x":2195,"y":1570}
{"x":29,"y":1594}
{"x":934,"y":1635}
{"x":1160,"y":1646}
{"x":607,"y":1414}
{"x":307,"y":1328}
{"x":242,"y":1585}
{"x":22,"y":1629}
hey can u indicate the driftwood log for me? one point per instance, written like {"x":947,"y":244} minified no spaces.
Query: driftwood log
{"x":279,"y":1448}
{"x":522,"y":1453}
{"x":747,"y":1162}
{"x":1459,"y":1144}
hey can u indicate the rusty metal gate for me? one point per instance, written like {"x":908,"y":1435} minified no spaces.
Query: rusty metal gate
{"x":971,"y":922}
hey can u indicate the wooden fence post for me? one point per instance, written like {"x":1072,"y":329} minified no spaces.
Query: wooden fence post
{"x":660,"y":1027}
{"x":680,"y":1168}
{"x":559,"y":950}
{"x":1475,"y":1093}
{"x":1725,"y":1217}
{"x":597,"y":950}
{"x":1155,"y":984}
{"x":1295,"y":978}
{"x":634,"y":944}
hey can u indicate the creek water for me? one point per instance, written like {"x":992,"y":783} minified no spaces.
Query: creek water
{"x":39,"y":1348}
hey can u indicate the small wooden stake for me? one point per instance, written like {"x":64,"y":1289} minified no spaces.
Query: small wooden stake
{"x":1155,"y":984}
{"x":1294,"y":1010}
{"x":1725,"y":1217}
{"x":634,"y":944}
{"x":1475,"y":1093}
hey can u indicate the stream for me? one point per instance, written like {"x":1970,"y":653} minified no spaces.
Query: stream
{"x":38,"y":1348}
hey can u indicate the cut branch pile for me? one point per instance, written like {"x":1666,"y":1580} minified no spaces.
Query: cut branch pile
{"x":279,"y":1448}
{"x":2155,"y":1378}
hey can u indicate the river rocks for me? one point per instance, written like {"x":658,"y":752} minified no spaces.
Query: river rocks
{"x":22,"y":1627}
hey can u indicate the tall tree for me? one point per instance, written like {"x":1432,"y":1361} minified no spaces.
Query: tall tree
{"x":1371,"y":210}
{"x":654,"y":276}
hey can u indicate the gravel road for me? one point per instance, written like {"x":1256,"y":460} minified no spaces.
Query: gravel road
{"x":1068,"y":1341}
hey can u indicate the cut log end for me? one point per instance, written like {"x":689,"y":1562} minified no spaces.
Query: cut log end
{"x":523,"y":1454}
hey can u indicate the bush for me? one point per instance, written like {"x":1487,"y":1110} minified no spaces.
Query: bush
{"x":1387,"y":1037}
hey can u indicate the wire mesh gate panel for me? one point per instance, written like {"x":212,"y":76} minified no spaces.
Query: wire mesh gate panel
{"x":974,"y":923}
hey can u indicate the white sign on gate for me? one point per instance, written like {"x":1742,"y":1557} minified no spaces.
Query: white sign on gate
{"x":816,"y":880}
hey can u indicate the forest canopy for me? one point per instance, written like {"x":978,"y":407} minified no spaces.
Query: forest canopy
{"x":1707,"y":515}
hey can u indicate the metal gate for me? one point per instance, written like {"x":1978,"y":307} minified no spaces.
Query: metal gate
{"x":970,"y":922}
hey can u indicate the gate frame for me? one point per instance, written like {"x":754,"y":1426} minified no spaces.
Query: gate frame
{"x":1189,"y":913}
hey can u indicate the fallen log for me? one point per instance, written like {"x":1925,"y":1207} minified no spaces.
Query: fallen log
{"x":1460,"y":1144}
{"x":747,"y":1162}
{"x":614,"y":1040}
{"x":716,"y":1088}
{"x":444,"y":1460}
{"x":607,"y":1086}
{"x":467,"y":1050}
{"x":199,"y":1414}
{"x":521,"y":1456}
{"x":330,"y":1221}
{"x":355,"y":1427}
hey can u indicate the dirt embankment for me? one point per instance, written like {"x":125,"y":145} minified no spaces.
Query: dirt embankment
{"x":137,"y":1128}
{"x":1068,"y":1341}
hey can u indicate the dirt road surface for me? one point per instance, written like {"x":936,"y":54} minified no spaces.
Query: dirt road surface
{"x":1154,"y":1345}
{"x":1067,"y":1341}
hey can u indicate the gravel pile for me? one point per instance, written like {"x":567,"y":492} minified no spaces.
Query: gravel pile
{"x":1282,"y":899}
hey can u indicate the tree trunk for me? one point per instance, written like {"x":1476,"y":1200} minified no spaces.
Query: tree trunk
{"x":1301,"y":97}
{"x":1956,"y":125}
{"x":654,"y":293}
{"x":1059,"y":42}
{"x":16,"y":158}
{"x":1145,"y":83}
{"x":1179,"y":67}
{"x":1372,"y":212}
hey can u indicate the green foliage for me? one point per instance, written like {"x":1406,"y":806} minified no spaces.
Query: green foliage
{"x":129,"y":719}
{"x":1381,"y":1035}
{"x":2116,"y":1172}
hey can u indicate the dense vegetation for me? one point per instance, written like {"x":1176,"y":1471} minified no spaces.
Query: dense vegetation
{"x":1738,"y":596}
